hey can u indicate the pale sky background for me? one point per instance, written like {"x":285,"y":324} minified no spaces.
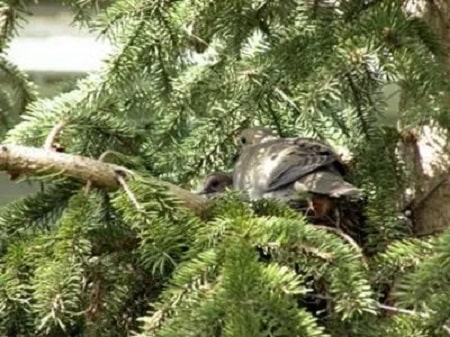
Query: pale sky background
{"x":48,"y":42}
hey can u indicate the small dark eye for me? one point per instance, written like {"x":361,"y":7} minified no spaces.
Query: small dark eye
{"x":243,"y":140}
{"x":214,"y":183}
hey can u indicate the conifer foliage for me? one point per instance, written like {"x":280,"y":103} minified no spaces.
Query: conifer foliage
{"x":184,"y":77}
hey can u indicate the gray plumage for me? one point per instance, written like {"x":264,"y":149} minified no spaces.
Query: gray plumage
{"x":272,"y":167}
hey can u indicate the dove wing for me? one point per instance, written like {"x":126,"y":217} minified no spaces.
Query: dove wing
{"x":317,"y":146}
{"x":294,"y":158}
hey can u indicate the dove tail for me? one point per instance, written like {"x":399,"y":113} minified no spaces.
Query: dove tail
{"x":329,"y":183}
{"x":345,"y":189}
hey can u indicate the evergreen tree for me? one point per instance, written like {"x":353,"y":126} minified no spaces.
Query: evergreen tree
{"x":126,"y":256}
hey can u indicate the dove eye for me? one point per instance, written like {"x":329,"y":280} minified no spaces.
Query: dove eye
{"x":215,"y":183}
{"x":243,"y":140}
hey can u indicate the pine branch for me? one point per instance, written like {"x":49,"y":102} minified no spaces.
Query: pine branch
{"x":35,"y":161}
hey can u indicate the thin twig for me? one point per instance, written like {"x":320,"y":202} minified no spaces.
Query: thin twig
{"x":346,"y":237}
{"x":87,"y":187}
{"x":393,"y":309}
{"x":104,"y":154}
{"x":48,"y":145}
{"x":49,"y":141}
{"x":129,"y":193}
{"x":158,"y":316}
{"x":410,"y":312}
{"x":403,"y":311}
{"x":189,"y":30}
{"x":306,"y":249}
{"x":102,"y":157}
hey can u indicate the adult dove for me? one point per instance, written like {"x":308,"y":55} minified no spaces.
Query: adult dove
{"x":288,"y":169}
{"x":215,"y":183}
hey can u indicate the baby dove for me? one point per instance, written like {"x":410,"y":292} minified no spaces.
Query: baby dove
{"x":216,"y":183}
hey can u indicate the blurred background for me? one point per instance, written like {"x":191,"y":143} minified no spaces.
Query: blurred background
{"x":54,"y":53}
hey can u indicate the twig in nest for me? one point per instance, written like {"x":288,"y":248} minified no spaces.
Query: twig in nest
{"x":49,"y":141}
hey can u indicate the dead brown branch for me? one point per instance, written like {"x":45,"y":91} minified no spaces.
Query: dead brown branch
{"x":37,"y":162}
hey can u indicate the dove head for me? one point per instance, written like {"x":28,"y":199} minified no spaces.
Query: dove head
{"x":216,"y":182}
{"x":253,"y":136}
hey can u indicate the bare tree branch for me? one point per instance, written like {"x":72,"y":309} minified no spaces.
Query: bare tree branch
{"x":37,"y":162}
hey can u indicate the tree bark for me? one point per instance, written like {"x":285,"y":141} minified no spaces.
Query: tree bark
{"x":428,"y":154}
